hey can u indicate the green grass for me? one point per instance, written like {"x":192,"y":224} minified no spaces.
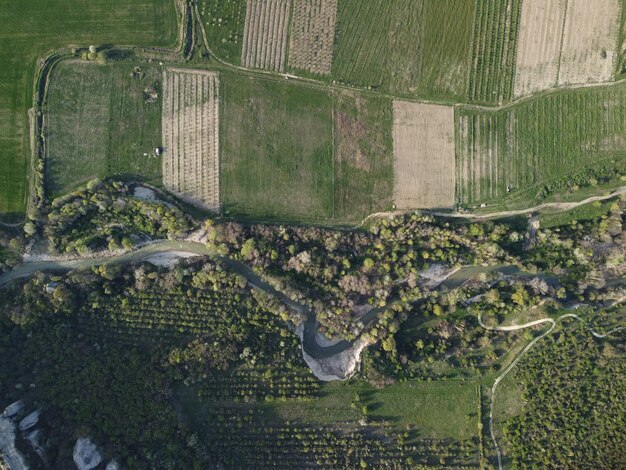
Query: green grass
{"x":363,"y":155}
{"x":276,"y":159}
{"x":98,"y":124}
{"x":496,"y":25}
{"x":223,"y":22}
{"x":551,"y":144}
{"x":582,"y":213}
{"x":438,"y":409}
{"x":409,"y":48}
{"x":29,"y":30}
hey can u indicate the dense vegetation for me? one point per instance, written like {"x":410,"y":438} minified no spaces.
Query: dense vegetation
{"x":104,"y":215}
{"x":175,"y":367}
{"x":11,"y":247}
{"x":102,"y":355}
{"x":575,"y":404}
{"x":220,"y":360}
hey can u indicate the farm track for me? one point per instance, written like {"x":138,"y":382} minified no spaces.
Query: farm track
{"x":40,"y":84}
{"x":193,"y":14}
{"x":321,"y":85}
{"x":560,"y":206}
{"x":553,"y":323}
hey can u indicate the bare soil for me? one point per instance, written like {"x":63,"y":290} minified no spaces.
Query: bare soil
{"x":588,"y":53}
{"x":539,"y":45}
{"x":424,"y":158}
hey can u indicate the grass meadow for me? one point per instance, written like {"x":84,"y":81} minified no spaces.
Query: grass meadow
{"x":99,"y":124}
{"x":405,"y":47}
{"x":363,"y":155}
{"x":439,"y":410}
{"x":276,"y":158}
{"x":29,"y":30}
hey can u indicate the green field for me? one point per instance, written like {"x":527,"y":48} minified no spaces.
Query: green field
{"x":438,"y":409}
{"x":557,"y":142}
{"x":496,"y":25}
{"x":409,"y":48}
{"x":276,"y":159}
{"x":99,"y":124}
{"x":363,"y":155}
{"x":223,"y":22}
{"x":31,"y":29}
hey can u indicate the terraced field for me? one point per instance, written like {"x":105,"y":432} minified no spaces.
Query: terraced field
{"x":265,"y":34}
{"x":313,"y":35}
{"x":190,"y":124}
{"x":547,"y":139}
{"x":494,"y":49}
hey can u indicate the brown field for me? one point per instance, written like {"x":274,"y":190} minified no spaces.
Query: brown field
{"x":539,"y":43}
{"x":424,"y":159}
{"x":313,"y":35}
{"x":588,"y":53}
{"x":265,"y":34}
{"x":190,"y":125}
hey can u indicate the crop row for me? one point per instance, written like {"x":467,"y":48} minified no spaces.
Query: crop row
{"x":496,"y":24}
{"x":539,"y":141}
{"x":262,"y":444}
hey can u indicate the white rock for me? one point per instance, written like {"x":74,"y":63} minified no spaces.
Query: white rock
{"x":86,"y":455}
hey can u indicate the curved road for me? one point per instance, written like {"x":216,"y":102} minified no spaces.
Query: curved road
{"x":553,"y":324}
{"x":561,"y":206}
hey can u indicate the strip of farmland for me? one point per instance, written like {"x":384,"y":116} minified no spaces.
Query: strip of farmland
{"x":566,"y":42}
{"x":265,"y":34}
{"x":312,"y":35}
{"x":190,"y":124}
{"x":423,"y":149}
{"x":548,"y":140}
{"x":588,"y":53}
{"x":538,"y":53}
{"x":407,"y":48}
{"x":496,"y":25}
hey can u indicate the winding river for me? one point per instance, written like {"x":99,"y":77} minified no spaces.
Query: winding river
{"x":310,"y":342}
